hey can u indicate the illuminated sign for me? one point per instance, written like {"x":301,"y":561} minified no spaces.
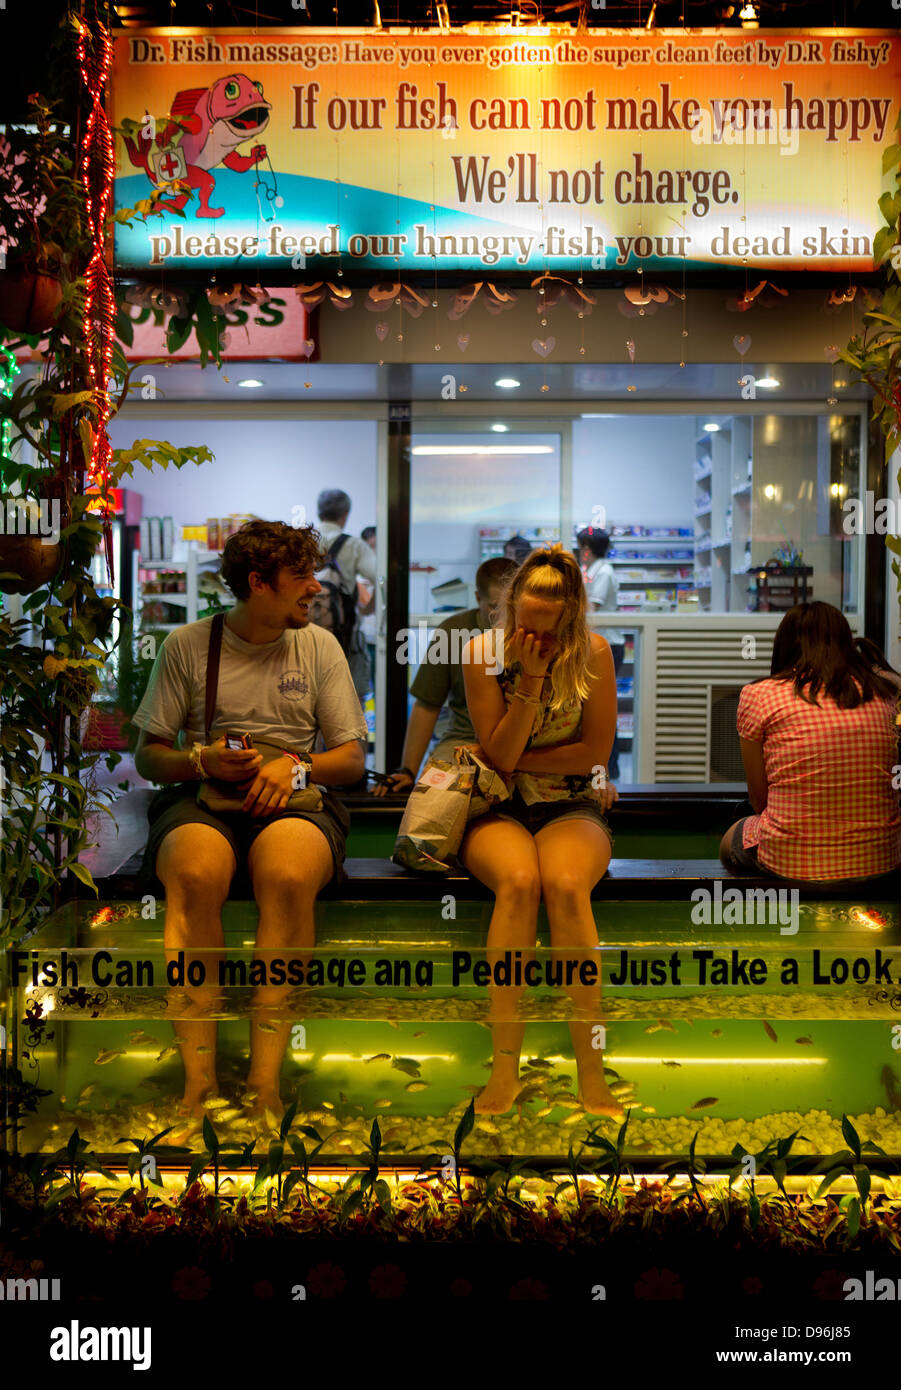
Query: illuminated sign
{"x":409,"y":153}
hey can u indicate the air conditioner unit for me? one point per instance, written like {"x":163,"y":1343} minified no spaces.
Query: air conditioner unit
{"x":724,"y":762}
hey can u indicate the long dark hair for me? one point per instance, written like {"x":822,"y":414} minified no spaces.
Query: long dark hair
{"x":815,"y":649}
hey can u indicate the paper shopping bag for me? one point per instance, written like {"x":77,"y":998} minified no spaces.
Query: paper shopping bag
{"x":491,"y":786}
{"x":434,"y":820}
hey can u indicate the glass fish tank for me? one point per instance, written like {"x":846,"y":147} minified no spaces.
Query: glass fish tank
{"x":733,"y":1034}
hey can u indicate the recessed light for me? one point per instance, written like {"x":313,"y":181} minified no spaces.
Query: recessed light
{"x":769,"y":383}
{"x":250,"y":383}
{"x":473,"y":449}
{"x":507,"y":383}
{"x":500,"y":429}
{"x":712,"y":428}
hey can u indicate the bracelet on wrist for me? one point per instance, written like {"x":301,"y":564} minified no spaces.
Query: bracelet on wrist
{"x":196,"y":759}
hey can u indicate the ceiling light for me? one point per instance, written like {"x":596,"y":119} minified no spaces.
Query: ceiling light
{"x":446,"y":450}
{"x":712,"y":428}
{"x":507,"y":383}
{"x":769,"y":383}
{"x":500,"y":429}
{"x":250,"y":383}
{"x":748,"y":16}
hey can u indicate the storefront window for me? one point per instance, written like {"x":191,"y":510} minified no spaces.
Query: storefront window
{"x":720,"y":513}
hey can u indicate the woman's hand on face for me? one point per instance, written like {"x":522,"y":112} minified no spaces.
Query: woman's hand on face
{"x":533,"y":653}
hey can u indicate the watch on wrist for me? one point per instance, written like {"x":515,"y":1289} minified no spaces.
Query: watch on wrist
{"x":300,"y":760}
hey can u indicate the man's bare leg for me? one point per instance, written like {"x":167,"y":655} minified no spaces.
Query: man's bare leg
{"x":196,"y":865}
{"x":502,"y":855}
{"x":290,"y":861}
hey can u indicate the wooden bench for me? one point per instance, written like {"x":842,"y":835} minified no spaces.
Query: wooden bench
{"x":635,"y":880}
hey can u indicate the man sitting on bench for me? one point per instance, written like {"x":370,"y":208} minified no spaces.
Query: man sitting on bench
{"x":282,"y":680}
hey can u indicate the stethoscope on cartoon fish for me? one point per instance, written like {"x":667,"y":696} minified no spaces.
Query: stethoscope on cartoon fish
{"x":270,"y":191}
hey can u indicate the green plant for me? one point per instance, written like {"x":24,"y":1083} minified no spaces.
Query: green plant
{"x":849,"y":1162}
{"x":693,"y":1167}
{"x":773,"y":1160}
{"x":75,"y":1160}
{"x":212,"y":1154}
{"x":360,"y":1188}
{"x":279,"y":1167}
{"x":876,"y":354}
{"x":612,"y":1157}
{"x":150,"y":1149}
{"x":51,"y":658}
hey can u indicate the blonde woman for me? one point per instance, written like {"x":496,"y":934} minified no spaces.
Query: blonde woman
{"x":548,"y":721}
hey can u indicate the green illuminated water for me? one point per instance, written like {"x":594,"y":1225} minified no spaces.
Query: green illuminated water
{"x":669,"y":1046}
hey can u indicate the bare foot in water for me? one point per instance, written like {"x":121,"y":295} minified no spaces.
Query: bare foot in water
{"x":596,"y":1098}
{"x":498,"y":1096}
{"x":261,"y":1103}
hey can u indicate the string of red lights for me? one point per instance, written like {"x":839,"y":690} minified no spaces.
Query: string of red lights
{"x":97,"y":166}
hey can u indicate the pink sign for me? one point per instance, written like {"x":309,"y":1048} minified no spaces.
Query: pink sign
{"x":278,"y":327}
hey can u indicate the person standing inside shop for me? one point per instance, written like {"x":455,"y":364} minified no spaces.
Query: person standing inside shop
{"x":602,"y":593}
{"x":517,"y":548}
{"x":354,"y":558}
{"x":282,"y":680}
{"x":439,"y":680}
{"x":548,"y":722}
{"x":367,"y":609}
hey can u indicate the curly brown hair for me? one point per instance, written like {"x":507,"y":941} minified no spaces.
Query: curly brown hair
{"x":265,"y":547}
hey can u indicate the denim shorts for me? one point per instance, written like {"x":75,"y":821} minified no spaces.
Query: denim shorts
{"x":178,"y":805}
{"x":541,"y":813}
{"x":744,"y":858}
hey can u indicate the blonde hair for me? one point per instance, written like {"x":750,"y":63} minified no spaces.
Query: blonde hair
{"x":552,"y":573}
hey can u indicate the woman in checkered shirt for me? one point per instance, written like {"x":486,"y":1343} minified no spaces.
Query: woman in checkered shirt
{"x":819,"y":745}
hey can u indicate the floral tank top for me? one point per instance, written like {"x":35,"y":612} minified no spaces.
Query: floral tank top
{"x":548,"y":728}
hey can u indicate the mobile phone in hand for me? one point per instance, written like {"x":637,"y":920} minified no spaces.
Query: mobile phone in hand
{"x":238,"y":741}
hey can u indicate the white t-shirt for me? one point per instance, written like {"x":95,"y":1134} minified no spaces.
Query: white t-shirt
{"x":355,"y":556}
{"x":601,"y":591}
{"x":282,"y":692}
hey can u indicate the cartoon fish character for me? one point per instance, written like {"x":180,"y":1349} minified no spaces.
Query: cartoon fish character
{"x":206,"y":126}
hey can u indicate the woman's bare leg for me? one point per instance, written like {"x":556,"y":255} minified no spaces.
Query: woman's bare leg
{"x":726,"y":845}
{"x":502,"y":855}
{"x":572,"y":855}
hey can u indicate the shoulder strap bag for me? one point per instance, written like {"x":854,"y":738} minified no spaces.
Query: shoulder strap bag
{"x":228,"y":797}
